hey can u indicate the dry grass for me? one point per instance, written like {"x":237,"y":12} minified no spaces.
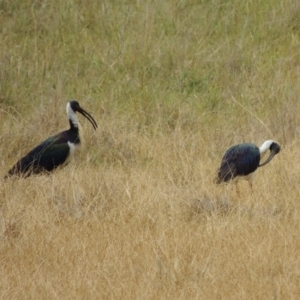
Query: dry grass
{"x":172,"y":84}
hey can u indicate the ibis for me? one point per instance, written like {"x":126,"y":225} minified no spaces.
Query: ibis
{"x":241,"y":161}
{"x":57,"y":150}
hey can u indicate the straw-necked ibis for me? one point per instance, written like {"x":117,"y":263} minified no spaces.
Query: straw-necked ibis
{"x":57,"y":150}
{"x":240,"y":161}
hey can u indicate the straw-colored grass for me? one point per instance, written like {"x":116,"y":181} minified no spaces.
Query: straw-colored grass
{"x":136,"y":215}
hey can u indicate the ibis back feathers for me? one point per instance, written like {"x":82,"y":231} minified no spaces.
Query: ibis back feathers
{"x":239,"y":160}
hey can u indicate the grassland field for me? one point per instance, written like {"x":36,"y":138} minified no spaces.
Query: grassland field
{"x":172,"y":84}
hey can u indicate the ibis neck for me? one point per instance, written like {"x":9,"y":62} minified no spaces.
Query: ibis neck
{"x":265,"y":146}
{"x":73,"y":126}
{"x":72,"y":117}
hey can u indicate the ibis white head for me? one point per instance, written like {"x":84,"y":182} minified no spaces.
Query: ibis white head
{"x":274,"y":149}
{"x":73,"y":107}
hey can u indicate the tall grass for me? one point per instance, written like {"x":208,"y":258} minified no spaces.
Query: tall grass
{"x":172,"y":84}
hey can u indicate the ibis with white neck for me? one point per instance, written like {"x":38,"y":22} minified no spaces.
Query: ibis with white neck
{"x":241,"y":161}
{"x":57,"y":150}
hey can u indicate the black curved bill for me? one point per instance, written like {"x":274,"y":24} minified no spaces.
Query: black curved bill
{"x":275,"y":148}
{"x":88,"y":116}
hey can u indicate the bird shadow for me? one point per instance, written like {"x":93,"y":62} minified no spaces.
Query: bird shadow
{"x":229,"y":205}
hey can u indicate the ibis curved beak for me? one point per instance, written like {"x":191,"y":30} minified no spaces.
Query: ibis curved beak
{"x":275,"y":148}
{"x":88,"y":116}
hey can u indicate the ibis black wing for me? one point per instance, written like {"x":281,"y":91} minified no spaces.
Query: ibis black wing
{"x":45,"y":157}
{"x":239,"y":160}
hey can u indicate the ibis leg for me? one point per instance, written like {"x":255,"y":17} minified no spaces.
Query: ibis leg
{"x":251,"y":187}
{"x":237,"y":188}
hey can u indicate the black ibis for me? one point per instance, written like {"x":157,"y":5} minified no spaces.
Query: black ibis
{"x":240,"y":161}
{"x":57,"y":150}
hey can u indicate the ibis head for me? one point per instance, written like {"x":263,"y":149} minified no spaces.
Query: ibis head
{"x":273,"y":147}
{"x":73,"y":107}
{"x":243,"y":159}
{"x":57,"y":150}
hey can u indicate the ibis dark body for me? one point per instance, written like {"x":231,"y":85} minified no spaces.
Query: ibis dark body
{"x":56,"y":151}
{"x":242,"y":160}
{"x":239,"y":160}
{"x":50,"y":154}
